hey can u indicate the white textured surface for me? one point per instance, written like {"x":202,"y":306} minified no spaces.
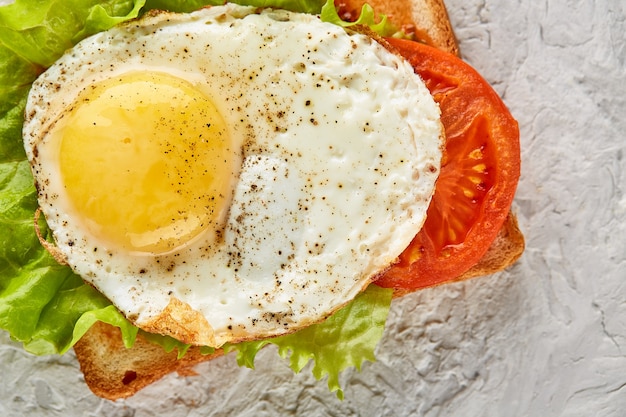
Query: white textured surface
{"x":546,"y":338}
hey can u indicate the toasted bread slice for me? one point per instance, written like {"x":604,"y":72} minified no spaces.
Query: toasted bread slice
{"x":112,"y":371}
{"x":427,"y":20}
{"x":503,"y":252}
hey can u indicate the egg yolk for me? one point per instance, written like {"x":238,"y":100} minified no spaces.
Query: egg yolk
{"x":146,"y":161}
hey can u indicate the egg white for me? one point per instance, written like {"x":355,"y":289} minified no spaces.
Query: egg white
{"x":339,"y":147}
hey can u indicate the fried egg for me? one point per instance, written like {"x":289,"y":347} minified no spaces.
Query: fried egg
{"x":233,"y":173}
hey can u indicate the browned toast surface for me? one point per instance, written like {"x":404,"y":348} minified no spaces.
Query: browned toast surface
{"x":112,"y":371}
{"x":426,"y":19}
{"x":503,"y":252}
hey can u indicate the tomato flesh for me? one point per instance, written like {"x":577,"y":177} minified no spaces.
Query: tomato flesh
{"x":479,"y":172}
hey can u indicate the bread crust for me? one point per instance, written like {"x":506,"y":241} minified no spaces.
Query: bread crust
{"x":503,"y":252}
{"x":111,"y":371}
{"x":427,"y":20}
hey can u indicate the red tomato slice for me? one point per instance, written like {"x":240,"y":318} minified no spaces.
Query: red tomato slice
{"x":479,"y":173}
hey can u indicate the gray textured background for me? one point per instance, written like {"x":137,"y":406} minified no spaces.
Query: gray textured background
{"x":546,"y":338}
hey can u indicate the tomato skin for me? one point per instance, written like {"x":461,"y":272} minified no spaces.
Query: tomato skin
{"x":479,"y":173}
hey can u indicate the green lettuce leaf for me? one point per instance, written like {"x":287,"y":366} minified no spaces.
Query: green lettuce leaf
{"x":16,"y":76}
{"x":169,"y":344}
{"x":41,"y":30}
{"x":346,"y":339}
{"x":302,"y":6}
{"x":367,"y":17}
{"x":180,"y":6}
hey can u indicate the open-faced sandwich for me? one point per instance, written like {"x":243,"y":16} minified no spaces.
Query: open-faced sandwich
{"x":183,"y":181}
